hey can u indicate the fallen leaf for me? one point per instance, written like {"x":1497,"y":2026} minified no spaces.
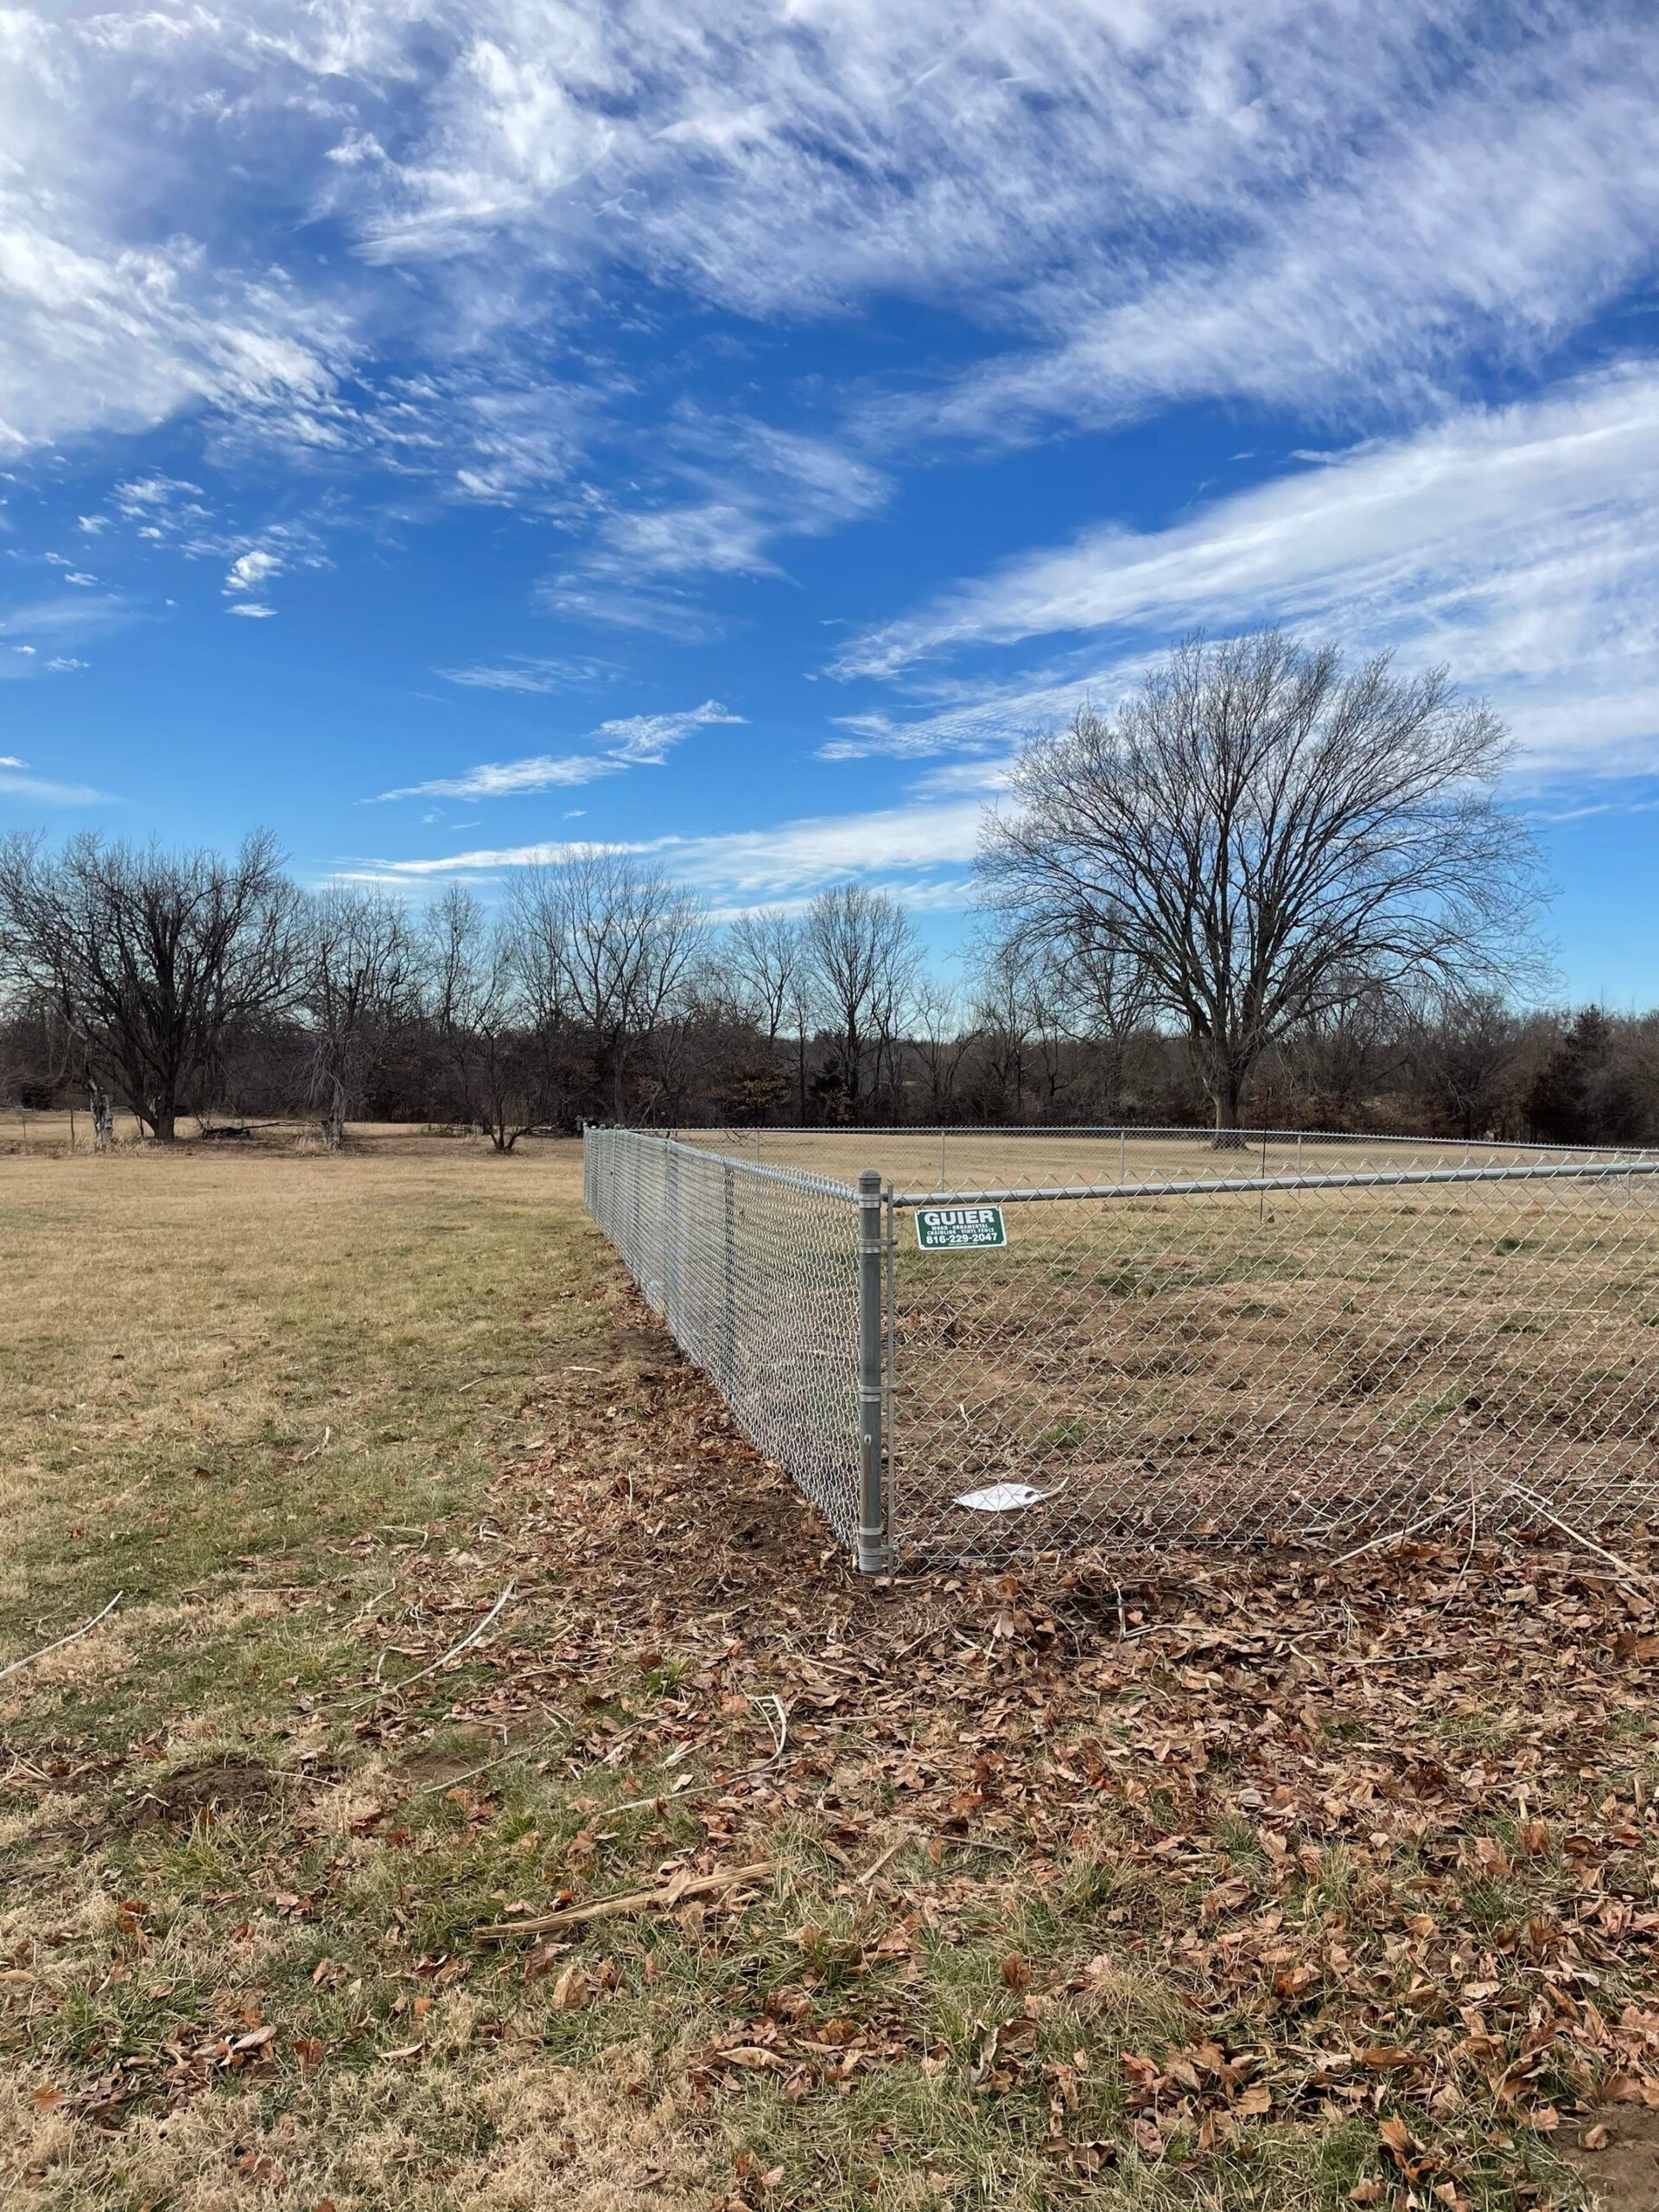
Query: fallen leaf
{"x":573,"y":1992}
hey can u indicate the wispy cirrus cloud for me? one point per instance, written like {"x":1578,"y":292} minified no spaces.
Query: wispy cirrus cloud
{"x":1319,"y":200}
{"x":1521,"y":543}
{"x":1207,"y":199}
{"x":17,"y":783}
{"x":726,"y":496}
{"x":626,"y":742}
{"x":923,"y":845}
{"x":533,"y":674}
{"x":985,"y":716}
{"x":32,"y":624}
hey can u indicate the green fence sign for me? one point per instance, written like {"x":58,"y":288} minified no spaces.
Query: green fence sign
{"x":959,"y":1229}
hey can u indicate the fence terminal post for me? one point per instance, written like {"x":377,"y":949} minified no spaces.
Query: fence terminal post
{"x":671,"y":1254}
{"x":728,"y":1376}
{"x":874,"y":1554}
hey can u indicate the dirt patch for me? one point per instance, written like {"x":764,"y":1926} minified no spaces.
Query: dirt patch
{"x":430,"y":1769}
{"x":1623,"y":2175}
{"x":765,"y":1524}
{"x":645,"y":1349}
{"x":216,"y":1790}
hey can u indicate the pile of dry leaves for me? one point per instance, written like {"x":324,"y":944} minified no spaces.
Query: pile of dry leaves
{"x":1385,"y":1831}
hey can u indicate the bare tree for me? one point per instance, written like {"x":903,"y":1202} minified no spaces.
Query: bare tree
{"x":479,"y":1012}
{"x":358,"y":982}
{"x":152,"y":960}
{"x":769,"y":971}
{"x":1460,"y":1047}
{"x":764,"y":953}
{"x":863,"y":959}
{"x":1332,"y":1062}
{"x":1106,"y":1003}
{"x":1258,"y":828}
{"x":944,"y":1037}
{"x":605,"y":945}
{"x":1005,"y":1018}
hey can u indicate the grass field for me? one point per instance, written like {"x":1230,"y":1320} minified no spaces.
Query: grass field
{"x":1320,"y":1365}
{"x":1157,"y":1889}
{"x":24,"y":1131}
{"x":924,"y":1162}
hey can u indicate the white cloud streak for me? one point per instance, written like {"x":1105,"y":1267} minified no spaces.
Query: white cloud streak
{"x":1323,"y":200}
{"x":914,"y":842}
{"x":69,"y":620}
{"x":981,"y":717}
{"x":1521,"y":544}
{"x":43,"y":790}
{"x":626,"y":741}
{"x":531,"y":674}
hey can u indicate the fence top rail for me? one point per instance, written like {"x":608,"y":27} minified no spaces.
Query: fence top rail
{"x":1554,"y":1171}
{"x":798,"y":1178}
{"x":698,"y":1138}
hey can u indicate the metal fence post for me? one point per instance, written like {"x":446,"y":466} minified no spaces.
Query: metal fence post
{"x":728,"y":1301}
{"x":874,"y":1554}
{"x":636,"y":1176}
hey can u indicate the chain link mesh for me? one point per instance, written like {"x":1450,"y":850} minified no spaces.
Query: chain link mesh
{"x":755,"y":1273}
{"x":1261,"y":1338}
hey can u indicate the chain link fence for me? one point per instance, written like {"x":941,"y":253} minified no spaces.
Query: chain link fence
{"x":1003,"y":1341}
{"x":756,"y":1272}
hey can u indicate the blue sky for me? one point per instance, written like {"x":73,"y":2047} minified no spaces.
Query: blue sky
{"x":442,"y":432}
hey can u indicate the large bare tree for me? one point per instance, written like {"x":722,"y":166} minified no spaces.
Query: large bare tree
{"x":1259,"y":829}
{"x":606,"y":944}
{"x":152,"y":960}
{"x":863,"y":958}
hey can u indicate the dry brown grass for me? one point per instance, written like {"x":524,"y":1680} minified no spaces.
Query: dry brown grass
{"x":1322,"y":1366}
{"x":222,"y":1376}
{"x":962,"y":1159}
{"x":1026,"y":1862}
{"x":185,"y":1328}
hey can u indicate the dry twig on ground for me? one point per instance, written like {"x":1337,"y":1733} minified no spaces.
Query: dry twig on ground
{"x":73,"y":1636}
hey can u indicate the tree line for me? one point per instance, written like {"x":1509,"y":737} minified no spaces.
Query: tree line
{"x":1268,"y":889}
